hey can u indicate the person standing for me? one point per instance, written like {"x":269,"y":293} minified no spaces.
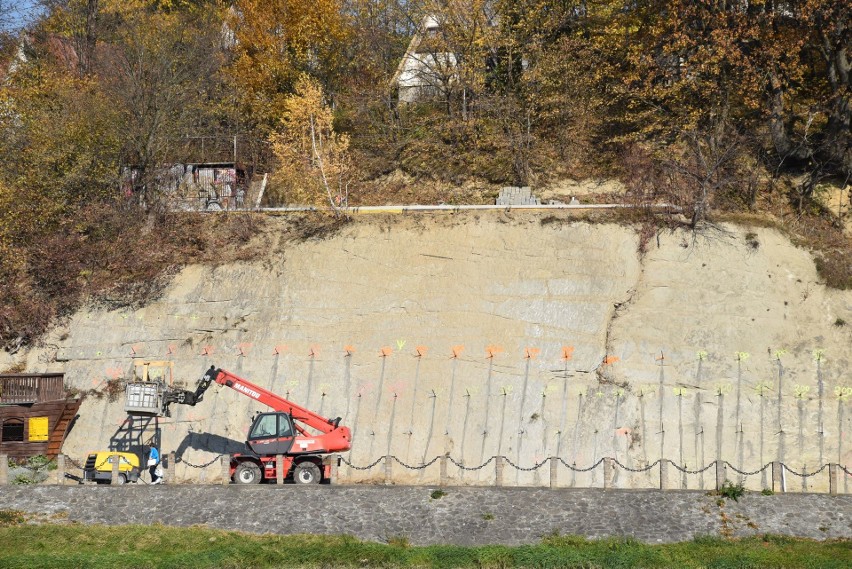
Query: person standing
{"x":153,"y":463}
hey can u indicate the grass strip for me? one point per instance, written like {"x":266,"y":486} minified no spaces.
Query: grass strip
{"x":40,"y":546}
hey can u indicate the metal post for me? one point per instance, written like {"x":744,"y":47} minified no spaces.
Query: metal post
{"x":721,"y":474}
{"x":664,"y":474}
{"x":279,"y":469}
{"x":388,"y":469}
{"x":498,"y":471}
{"x":554,"y":464}
{"x":226,"y":470}
{"x":607,"y":465}
{"x":116,"y":460}
{"x":60,"y":469}
{"x":777,"y":486}
{"x":832,"y":479}
{"x":4,"y":469}
{"x":444,"y":477}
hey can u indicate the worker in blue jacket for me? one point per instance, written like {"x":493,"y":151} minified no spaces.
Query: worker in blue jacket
{"x":153,"y":463}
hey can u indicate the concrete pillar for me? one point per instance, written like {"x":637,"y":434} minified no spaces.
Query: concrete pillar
{"x":169,"y":469}
{"x":444,"y":476}
{"x":832,"y":479}
{"x":388,"y":469}
{"x":116,"y":460}
{"x":279,"y":469}
{"x":721,"y":474}
{"x":554,"y":465}
{"x":60,"y":469}
{"x":664,"y":474}
{"x":226,"y":470}
{"x":4,"y":469}
{"x":777,"y":482}
{"x":332,"y":461}
{"x":498,"y":471}
{"x":607,"y":467}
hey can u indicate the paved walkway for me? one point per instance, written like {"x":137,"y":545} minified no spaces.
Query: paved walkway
{"x":463,"y":516}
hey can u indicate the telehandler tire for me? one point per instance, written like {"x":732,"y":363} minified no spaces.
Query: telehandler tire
{"x":247,"y":473}
{"x":307,"y":473}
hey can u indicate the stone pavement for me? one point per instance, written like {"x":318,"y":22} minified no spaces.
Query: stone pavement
{"x":462,"y":516}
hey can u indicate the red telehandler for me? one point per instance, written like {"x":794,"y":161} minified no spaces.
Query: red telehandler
{"x":282,"y":432}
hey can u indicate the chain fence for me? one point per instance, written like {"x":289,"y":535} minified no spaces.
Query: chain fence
{"x":805,"y":474}
{"x":575,"y":468}
{"x":744,"y":473}
{"x":614,"y":463}
{"x":199,"y":466}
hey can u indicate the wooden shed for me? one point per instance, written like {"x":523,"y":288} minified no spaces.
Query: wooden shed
{"x":35,"y":414}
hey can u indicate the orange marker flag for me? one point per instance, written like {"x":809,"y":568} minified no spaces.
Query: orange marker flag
{"x":531,"y":353}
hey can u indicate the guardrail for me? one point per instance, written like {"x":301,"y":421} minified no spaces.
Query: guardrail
{"x":459,"y":208}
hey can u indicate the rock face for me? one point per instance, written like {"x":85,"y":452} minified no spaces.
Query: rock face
{"x":481,"y":336}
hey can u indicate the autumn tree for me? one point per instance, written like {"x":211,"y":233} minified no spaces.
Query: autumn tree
{"x":81,"y":22}
{"x":275,"y":41}
{"x":379,"y":33}
{"x":60,"y":141}
{"x":162,"y":71}
{"x":313,"y":159}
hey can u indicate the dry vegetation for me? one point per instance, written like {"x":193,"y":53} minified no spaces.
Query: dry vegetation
{"x":723,"y":110}
{"x":113,"y":254}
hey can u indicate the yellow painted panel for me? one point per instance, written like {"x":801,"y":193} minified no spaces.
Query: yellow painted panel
{"x":38,"y":429}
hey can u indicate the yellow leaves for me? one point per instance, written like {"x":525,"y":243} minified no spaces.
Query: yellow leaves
{"x":275,"y":41}
{"x":60,"y":143}
{"x":313,"y":158}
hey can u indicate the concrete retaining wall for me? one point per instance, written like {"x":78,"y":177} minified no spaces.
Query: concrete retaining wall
{"x":464,"y":516}
{"x":478,"y":336}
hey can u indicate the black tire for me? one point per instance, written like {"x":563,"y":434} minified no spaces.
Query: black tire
{"x":122,"y":479}
{"x":307,"y":473}
{"x":247,"y":473}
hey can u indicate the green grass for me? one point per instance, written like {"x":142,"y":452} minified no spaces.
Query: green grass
{"x":59,"y":546}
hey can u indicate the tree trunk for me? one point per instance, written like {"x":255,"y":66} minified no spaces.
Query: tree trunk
{"x":777,"y":128}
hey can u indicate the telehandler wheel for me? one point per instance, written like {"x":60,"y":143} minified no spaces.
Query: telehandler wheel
{"x":307,"y":473}
{"x":247,"y":473}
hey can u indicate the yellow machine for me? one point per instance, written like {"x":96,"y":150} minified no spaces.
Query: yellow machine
{"x":98,"y":467}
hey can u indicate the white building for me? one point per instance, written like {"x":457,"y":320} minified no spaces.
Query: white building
{"x":425,"y":70}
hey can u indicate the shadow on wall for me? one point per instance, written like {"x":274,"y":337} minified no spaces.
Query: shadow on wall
{"x":135,"y":435}
{"x":209,"y":443}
